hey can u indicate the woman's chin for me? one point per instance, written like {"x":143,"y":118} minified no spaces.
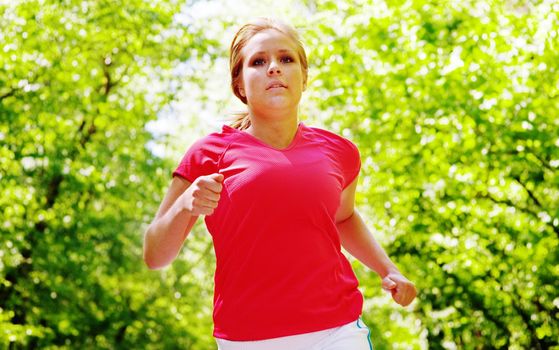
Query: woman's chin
{"x":278,"y":102}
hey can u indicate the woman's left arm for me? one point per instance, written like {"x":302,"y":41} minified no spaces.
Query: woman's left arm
{"x":360,"y":242}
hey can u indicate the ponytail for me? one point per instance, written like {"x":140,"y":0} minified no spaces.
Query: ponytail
{"x":241,"y":121}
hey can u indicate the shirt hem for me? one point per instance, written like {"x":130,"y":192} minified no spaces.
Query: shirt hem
{"x":274,"y":335}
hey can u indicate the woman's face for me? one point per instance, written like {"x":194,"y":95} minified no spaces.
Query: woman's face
{"x":272,"y":76}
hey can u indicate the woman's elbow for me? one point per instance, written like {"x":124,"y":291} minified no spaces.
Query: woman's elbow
{"x":153,"y":265}
{"x":155,"y":262}
{"x":150,"y":262}
{"x":150,"y":256}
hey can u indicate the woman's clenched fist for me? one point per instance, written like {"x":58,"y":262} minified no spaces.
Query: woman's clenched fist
{"x":402,"y":290}
{"x":202,"y":196}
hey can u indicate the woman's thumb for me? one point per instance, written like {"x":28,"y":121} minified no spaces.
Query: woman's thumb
{"x":217,"y":177}
{"x":388,"y":284}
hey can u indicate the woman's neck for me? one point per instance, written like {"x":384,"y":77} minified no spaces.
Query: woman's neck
{"x":276,"y":131}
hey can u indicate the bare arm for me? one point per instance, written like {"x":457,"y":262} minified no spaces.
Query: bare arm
{"x":176,"y":216}
{"x":360,"y":242}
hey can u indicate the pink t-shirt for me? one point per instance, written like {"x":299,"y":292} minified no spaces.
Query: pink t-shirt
{"x":280,"y":270}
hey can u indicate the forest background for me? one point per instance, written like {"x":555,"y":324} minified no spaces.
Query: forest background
{"x":453,"y":104}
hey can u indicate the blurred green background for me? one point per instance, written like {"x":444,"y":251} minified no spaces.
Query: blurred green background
{"x":453,"y":104}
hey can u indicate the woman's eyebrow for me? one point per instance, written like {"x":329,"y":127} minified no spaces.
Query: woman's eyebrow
{"x":265,"y":52}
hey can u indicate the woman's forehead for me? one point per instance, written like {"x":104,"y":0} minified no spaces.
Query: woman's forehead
{"x":269,"y":40}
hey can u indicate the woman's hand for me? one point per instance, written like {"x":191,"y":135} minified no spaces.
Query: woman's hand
{"x":176,"y":216}
{"x":202,"y":196}
{"x":402,"y":290}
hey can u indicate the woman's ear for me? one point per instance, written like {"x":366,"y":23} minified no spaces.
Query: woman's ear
{"x":240,"y":88}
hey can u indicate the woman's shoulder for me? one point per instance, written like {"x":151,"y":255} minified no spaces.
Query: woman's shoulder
{"x":217,"y":138}
{"x":329,"y":136}
{"x":212,"y":144}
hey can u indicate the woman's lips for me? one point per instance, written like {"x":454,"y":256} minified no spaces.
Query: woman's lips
{"x":276,"y":85}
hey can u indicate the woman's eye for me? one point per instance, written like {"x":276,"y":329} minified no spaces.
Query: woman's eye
{"x":258,"y":62}
{"x":287,"y":59}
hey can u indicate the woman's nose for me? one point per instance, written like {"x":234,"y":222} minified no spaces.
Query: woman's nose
{"x":274,"y":68}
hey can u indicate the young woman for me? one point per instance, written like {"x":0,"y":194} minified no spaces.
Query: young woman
{"x":278,"y":199}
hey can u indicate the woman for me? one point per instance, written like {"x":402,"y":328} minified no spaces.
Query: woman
{"x":278,"y":199}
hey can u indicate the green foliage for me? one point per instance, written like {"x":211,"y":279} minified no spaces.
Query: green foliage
{"x":78,"y":82}
{"x":454,"y":108}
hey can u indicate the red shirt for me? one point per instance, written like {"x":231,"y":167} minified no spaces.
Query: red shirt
{"x":280,"y":270}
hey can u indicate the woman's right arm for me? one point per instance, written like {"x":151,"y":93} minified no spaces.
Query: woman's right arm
{"x":176,"y":216}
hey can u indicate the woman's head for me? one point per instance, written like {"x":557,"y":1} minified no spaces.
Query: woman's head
{"x":242,"y":39}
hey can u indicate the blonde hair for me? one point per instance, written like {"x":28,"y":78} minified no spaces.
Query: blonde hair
{"x":244,"y":34}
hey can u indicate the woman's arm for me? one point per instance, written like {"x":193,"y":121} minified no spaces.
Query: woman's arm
{"x":176,"y":216}
{"x":360,"y":242}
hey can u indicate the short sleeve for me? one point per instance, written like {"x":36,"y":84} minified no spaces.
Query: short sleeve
{"x":344,"y":154}
{"x":350,"y":161}
{"x":202,"y":158}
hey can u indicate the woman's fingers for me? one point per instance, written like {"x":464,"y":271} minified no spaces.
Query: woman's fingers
{"x":204,"y":194}
{"x":212,"y":183}
{"x":388,"y":284}
{"x":405,"y":294}
{"x":402,"y":290}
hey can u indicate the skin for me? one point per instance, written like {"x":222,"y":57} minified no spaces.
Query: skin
{"x":360,"y":243}
{"x":269,"y":57}
{"x":176,"y":216}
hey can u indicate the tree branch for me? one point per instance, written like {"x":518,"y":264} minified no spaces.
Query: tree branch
{"x":8,"y":94}
{"x":543,"y":162}
{"x":507,"y":202}
{"x":522,"y":209}
{"x":534,"y":342}
{"x":108,"y":81}
{"x":530,"y":193}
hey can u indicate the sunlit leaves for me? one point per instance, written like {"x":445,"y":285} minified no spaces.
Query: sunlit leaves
{"x":445,"y":104}
{"x":453,"y":106}
{"x":80,"y":80}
